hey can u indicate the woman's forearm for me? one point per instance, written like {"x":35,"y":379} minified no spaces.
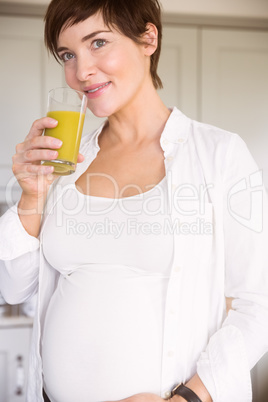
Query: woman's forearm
{"x":30,"y":213}
{"x":197,"y":386}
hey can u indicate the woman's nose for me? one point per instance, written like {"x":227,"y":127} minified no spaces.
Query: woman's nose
{"x":85,"y":68}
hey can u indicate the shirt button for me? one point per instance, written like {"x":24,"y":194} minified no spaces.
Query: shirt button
{"x":177,"y":268}
{"x":170,"y":158}
{"x":171,"y":311}
{"x":170,"y":353}
{"x":180,"y":139}
{"x":167,"y":394}
{"x":165,"y":142}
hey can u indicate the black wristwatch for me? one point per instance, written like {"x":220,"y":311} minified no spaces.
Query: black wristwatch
{"x":186,"y":393}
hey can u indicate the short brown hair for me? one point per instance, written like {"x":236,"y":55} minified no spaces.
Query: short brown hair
{"x":130,"y":17}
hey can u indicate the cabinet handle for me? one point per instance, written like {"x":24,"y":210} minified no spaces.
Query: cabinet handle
{"x":20,"y":376}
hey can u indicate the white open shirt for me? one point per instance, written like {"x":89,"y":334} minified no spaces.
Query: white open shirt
{"x":213,"y":182}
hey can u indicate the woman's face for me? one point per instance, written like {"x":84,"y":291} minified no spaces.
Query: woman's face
{"x":109,"y":67}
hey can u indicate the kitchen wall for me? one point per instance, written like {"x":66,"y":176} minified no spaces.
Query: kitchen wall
{"x":231,"y":8}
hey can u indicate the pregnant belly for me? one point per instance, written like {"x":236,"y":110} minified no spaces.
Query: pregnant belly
{"x":102,"y":338}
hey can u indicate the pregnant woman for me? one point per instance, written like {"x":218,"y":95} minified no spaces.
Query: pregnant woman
{"x":134,"y":254}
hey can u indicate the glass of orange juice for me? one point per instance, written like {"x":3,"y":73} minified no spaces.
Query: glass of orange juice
{"x":68,"y":107}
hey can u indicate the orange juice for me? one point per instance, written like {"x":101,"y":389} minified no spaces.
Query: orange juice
{"x":69,"y":131}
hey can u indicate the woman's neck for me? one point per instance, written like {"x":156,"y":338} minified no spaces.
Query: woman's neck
{"x":141,"y":121}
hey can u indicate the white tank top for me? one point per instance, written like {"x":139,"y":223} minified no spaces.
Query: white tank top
{"x":103,"y":331}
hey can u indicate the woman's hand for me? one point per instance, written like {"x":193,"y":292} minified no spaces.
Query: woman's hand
{"x":194,"y":383}
{"x":34,"y":178}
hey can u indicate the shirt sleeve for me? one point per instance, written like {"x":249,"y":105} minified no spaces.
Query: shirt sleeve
{"x":19,"y":259}
{"x":232,"y":351}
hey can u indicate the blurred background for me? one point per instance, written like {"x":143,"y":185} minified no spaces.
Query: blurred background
{"x":214,"y":67}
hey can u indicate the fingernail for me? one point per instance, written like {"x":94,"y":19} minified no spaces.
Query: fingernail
{"x":56,"y":142}
{"x":53,"y":121}
{"x":49,"y":169}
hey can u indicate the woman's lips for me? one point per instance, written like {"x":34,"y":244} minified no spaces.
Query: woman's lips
{"x":96,"y":90}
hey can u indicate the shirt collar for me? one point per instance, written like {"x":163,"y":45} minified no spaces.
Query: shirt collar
{"x":176,"y":131}
{"x":177,"y":128}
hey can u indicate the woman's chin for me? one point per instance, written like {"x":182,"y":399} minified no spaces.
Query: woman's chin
{"x":99,"y":112}
{"x":101,"y":115}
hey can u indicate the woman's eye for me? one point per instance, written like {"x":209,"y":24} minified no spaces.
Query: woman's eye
{"x":66,"y":56}
{"x":99,"y":43}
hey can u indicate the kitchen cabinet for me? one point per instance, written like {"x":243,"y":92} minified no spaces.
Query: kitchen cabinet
{"x":234,"y":86}
{"x":15,"y":337}
{"x":178,"y":69}
{"x":26,"y":74}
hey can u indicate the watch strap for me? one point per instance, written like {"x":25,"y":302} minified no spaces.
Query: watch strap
{"x":186,"y":393}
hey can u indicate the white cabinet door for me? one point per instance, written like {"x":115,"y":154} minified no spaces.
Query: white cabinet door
{"x":235,"y":86}
{"x":26,"y":75}
{"x":14,"y":360}
{"x":178,"y":69}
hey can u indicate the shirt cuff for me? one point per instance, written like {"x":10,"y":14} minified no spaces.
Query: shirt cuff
{"x":223,"y":367}
{"x":14,"y":240}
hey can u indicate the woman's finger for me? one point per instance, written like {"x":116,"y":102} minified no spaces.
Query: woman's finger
{"x":37,"y":143}
{"x":23,"y":170}
{"x":39,"y":125}
{"x":37,"y":155}
{"x":80,"y":158}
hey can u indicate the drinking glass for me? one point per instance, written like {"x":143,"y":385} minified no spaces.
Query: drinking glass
{"x":68,"y":107}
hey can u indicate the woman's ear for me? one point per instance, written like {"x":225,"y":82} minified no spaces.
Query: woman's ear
{"x":150,"y":39}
